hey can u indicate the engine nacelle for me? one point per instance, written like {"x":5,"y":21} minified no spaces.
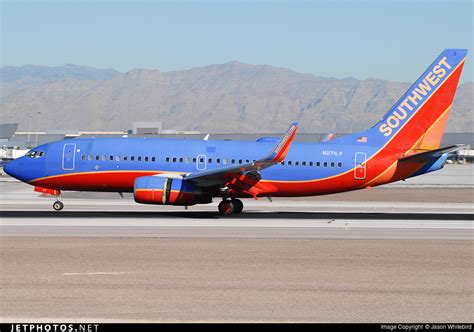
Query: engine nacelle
{"x":168,"y":191}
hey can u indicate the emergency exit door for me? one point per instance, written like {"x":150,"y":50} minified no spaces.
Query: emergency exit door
{"x":360,"y":161}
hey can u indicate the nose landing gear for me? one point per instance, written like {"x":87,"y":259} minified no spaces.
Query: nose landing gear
{"x":58,"y":205}
{"x":229,"y":206}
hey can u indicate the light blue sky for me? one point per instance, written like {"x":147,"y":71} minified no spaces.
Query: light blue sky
{"x":382,"y":39}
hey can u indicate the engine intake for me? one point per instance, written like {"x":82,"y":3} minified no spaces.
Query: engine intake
{"x":168,"y":191}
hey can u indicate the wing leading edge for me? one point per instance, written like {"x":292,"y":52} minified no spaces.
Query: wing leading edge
{"x":225,"y":174}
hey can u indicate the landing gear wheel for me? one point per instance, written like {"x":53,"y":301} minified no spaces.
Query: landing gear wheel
{"x":238,"y":205}
{"x":226,"y":208}
{"x":58,"y":205}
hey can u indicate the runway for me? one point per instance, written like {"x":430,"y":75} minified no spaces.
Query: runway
{"x":400,"y":254}
{"x":261,"y":224}
{"x":403,"y":213}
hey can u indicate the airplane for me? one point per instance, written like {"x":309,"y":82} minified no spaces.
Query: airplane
{"x":328,"y":137}
{"x":403,"y":144}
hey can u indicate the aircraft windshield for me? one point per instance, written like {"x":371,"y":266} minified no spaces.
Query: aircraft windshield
{"x":35,"y":154}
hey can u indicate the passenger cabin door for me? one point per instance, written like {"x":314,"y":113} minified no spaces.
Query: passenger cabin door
{"x":201,"y":162}
{"x":69,"y":157}
{"x":360,"y":165}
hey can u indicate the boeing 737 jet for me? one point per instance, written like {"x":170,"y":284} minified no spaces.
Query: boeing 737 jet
{"x":403,"y":144}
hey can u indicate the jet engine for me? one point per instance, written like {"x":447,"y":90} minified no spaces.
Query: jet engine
{"x":168,"y":191}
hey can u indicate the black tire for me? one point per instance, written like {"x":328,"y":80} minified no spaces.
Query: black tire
{"x":226,"y":208}
{"x":238,"y":205}
{"x":58,"y":206}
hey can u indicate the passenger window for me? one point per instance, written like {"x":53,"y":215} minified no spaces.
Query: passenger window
{"x":104,"y":157}
{"x":201,"y":160}
{"x":111,"y":157}
{"x":247,"y":161}
{"x":232,"y":161}
{"x":89,"y":157}
{"x":283,"y":163}
{"x":240,"y":161}
{"x":167,"y":159}
{"x":125,"y":158}
{"x":139,"y":158}
{"x":310,"y":163}
{"x":117,"y":158}
{"x":339,"y":164}
{"x":97,"y":157}
{"x":218,"y":161}
{"x":289,"y":163}
{"x":224,"y":161}
{"x":181,"y":160}
{"x":209,"y":160}
{"x":332,"y":163}
{"x":174,"y":160}
{"x":194,"y":160}
{"x":83,"y":157}
{"x":303,"y":163}
{"x":132,"y":158}
{"x":325,"y":164}
{"x":153,"y":159}
{"x":187,"y":160}
{"x":297,"y":163}
{"x":318,"y":164}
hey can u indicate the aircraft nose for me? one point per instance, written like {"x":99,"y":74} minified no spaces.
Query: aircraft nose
{"x":11,"y":168}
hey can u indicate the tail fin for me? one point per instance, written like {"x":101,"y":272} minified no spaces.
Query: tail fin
{"x":419,"y":117}
{"x":416,"y":122}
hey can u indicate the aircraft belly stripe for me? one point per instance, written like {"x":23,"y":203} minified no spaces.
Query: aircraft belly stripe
{"x":104,"y":172}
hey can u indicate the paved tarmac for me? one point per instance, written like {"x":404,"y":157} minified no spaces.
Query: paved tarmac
{"x":237,"y":280}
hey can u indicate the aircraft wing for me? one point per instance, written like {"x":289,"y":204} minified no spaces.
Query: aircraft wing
{"x":225,"y":174}
{"x":424,"y":156}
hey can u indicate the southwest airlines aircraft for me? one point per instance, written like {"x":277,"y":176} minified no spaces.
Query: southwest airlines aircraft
{"x":403,"y":144}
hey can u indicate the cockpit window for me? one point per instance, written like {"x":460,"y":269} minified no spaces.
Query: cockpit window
{"x":35,"y":154}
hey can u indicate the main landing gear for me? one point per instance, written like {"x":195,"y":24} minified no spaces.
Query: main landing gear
{"x":229,"y":206}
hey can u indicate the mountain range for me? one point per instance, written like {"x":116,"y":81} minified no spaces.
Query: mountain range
{"x":224,"y":98}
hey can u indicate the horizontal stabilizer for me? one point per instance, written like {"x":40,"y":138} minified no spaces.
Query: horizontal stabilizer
{"x":428,"y":155}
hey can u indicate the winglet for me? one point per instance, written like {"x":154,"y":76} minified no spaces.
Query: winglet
{"x":281,"y":149}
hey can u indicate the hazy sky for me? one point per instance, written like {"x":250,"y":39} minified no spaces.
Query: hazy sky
{"x":381,"y":39}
